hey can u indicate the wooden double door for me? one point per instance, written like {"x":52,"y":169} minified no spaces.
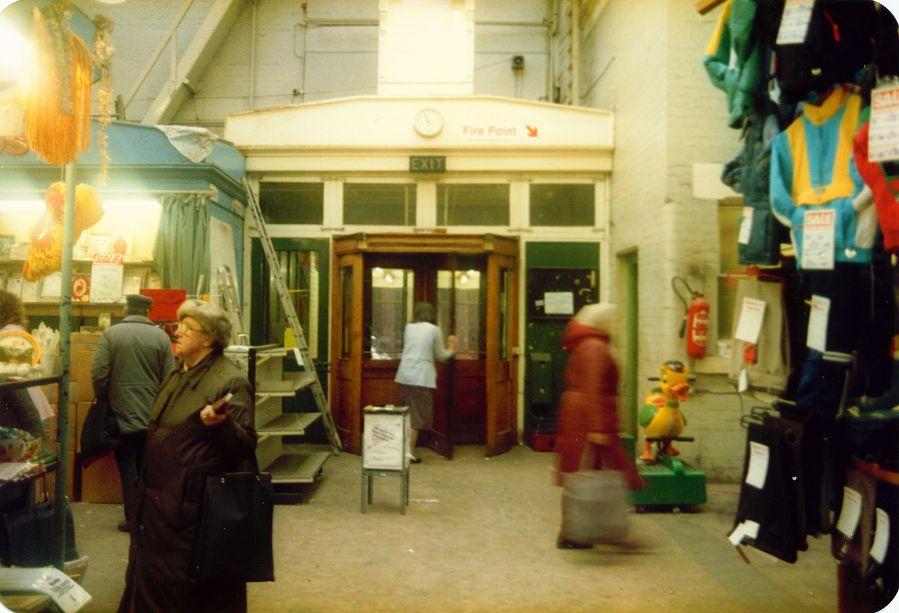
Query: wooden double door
{"x":472,"y":286}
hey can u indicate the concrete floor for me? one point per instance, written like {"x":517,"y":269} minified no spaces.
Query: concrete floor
{"x":480,"y":535}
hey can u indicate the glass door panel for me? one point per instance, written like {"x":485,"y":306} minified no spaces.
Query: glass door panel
{"x":392,"y":292}
{"x":461,"y":301}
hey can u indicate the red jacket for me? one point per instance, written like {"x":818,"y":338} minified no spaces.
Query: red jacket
{"x":589,"y":402}
{"x":885,"y":189}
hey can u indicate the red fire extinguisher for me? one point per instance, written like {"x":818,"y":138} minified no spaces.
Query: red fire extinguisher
{"x":696,"y":319}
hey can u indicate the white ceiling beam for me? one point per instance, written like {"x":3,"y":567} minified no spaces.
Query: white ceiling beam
{"x":193,"y":63}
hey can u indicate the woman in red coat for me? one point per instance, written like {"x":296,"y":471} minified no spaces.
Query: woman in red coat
{"x":588,"y":409}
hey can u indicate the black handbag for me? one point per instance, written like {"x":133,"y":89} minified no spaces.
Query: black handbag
{"x":234,"y":536}
{"x":100,"y":432}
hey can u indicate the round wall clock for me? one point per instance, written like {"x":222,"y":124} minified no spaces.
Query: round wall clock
{"x":428,"y":122}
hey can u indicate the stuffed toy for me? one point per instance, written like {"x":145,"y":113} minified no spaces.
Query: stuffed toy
{"x":45,"y":249}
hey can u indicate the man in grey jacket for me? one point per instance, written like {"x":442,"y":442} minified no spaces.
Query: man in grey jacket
{"x":132,"y":359}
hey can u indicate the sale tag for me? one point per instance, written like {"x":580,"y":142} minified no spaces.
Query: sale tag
{"x":850,"y":513}
{"x":758,"y":465}
{"x":745,"y":226}
{"x":881,"y":537}
{"x":817,"y":324}
{"x":794,"y":22}
{"x":883,"y":134}
{"x":752,"y":314}
{"x":818,"y":239}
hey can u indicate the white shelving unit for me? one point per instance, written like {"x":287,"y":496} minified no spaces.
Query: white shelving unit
{"x":291,"y":465}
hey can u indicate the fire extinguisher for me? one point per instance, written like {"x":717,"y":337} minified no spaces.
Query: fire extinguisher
{"x":696,"y":319}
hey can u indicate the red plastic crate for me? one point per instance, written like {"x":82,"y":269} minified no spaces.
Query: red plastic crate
{"x":165,"y":303}
{"x":541,"y":441}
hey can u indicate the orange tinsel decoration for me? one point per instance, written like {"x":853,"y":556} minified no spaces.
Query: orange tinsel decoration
{"x":58,"y":123}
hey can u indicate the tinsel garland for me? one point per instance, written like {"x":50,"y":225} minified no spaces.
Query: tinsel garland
{"x":58,"y":109}
{"x":103,"y":53}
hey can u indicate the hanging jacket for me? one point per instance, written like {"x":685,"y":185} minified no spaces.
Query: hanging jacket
{"x":837,"y":44}
{"x":812,"y":169}
{"x":735,"y":60}
{"x":749,"y":173}
{"x":884,"y":188}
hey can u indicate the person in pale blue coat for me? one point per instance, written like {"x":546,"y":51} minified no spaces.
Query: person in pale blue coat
{"x":416,"y":377}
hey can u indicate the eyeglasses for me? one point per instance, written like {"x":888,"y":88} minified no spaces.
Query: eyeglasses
{"x":183,"y":328}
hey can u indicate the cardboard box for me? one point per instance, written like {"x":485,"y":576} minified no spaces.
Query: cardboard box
{"x":50,"y":433}
{"x":84,"y":391}
{"x":80,"y":366}
{"x":52,"y":392}
{"x":100,"y":482}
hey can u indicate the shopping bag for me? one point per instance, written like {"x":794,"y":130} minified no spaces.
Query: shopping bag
{"x":100,"y":432}
{"x":594,"y":506}
{"x":234,"y":537}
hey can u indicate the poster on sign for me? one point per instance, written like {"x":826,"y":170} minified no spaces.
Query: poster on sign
{"x":107,"y":273}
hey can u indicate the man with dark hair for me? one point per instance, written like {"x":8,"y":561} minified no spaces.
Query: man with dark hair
{"x":132,"y":359}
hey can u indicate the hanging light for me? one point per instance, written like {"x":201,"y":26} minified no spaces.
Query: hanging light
{"x":463,"y":279}
{"x":388,"y":279}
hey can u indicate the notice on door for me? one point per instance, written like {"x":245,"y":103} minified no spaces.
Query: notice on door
{"x":558,"y":303}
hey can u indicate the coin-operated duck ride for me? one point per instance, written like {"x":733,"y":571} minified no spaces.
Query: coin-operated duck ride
{"x":670,"y":482}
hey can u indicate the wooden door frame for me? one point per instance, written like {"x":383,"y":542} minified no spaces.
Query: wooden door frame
{"x":349,"y":427}
{"x":501,"y":439}
{"x":346,"y":246}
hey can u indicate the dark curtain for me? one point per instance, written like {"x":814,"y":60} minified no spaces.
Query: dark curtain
{"x":182,"y":243}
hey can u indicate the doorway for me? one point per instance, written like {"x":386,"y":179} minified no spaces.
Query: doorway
{"x":628,"y":266}
{"x":472,"y":287}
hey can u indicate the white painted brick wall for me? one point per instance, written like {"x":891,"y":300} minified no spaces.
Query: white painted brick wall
{"x":643,"y":60}
{"x":322,"y":61}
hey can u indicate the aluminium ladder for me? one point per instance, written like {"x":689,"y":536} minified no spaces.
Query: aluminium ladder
{"x":302,"y":346}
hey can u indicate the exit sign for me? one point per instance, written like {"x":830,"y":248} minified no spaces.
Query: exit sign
{"x":427,"y":163}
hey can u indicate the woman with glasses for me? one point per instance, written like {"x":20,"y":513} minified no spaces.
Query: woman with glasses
{"x":186,"y":441}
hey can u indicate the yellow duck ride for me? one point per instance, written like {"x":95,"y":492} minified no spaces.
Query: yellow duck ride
{"x":671,"y":483}
{"x":661,"y":417}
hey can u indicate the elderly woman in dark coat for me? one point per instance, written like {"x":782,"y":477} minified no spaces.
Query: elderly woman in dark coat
{"x":186,"y":441}
{"x":588,"y":410}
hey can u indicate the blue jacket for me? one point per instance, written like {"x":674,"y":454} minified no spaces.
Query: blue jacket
{"x":812,"y":168}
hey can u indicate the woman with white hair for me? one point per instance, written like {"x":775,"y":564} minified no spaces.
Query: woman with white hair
{"x":186,"y":441}
{"x":588,"y":409}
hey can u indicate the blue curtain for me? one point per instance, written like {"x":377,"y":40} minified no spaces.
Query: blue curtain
{"x":182,"y":242}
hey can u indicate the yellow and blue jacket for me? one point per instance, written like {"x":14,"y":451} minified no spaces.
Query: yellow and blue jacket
{"x":812,"y":167}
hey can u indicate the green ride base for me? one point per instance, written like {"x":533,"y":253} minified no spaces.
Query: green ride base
{"x":670,"y":483}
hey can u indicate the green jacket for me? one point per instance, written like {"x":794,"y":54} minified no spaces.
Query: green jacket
{"x":735,"y":59}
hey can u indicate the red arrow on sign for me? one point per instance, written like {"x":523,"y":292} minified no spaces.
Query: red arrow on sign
{"x":532,"y":132}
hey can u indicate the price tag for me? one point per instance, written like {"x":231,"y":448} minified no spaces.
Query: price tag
{"x":758,"y":464}
{"x":794,"y":22}
{"x":752,"y":314}
{"x":745,"y":226}
{"x":850,"y":513}
{"x":743,"y":381}
{"x":881,"y":536}
{"x":818,"y":239}
{"x":817,"y":323}
{"x":883,"y":133}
